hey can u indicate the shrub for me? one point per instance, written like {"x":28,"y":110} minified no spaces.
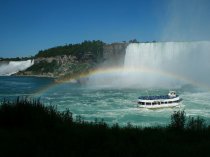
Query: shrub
{"x":24,"y":113}
{"x":196,"y":124}
{"x":178,"y":119}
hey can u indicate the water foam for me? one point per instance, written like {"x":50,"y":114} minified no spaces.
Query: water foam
{"x":14,"y":66}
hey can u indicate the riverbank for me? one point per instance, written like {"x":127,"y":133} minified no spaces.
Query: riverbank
{"x":41,"y":76}
{"x":32,"y":129}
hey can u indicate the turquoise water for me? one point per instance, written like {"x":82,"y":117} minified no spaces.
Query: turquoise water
{"x":113,"y":105}
{"x":11,"y":86}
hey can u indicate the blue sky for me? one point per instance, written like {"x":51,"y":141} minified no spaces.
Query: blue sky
{"x":28,"y":26}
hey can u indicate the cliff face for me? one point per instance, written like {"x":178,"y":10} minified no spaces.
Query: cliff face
{"x":67,"y":65}
{"x":58,"y":66}
{"x":114,"y":54}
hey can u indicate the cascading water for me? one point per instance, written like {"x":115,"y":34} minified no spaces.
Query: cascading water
{"x":159,"y":65}
{"x":14,"y":66}
{"x":166,"y":63}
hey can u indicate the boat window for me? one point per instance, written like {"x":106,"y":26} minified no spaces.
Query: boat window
{"x":148,"y":103}
{"x":176,"y":101}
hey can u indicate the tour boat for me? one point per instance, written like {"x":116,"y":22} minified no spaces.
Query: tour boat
{"x":170,"y":100}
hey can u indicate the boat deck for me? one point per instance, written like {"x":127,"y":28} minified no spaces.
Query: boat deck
{"x":156,"y":97}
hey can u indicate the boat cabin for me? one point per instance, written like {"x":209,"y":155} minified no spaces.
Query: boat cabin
{"x":172,"y":94}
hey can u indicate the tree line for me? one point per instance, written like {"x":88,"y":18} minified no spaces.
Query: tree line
{"x":92,"y":48}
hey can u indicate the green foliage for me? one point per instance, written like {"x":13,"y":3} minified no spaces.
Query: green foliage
{"x":28,"y":128}
{"x":16,"y":59}
{"x":43,"y":67}
{"x":178,"y":119}
{"x":94,"y":48}
{"x":31,"y":114}
{"x":195,"y":124}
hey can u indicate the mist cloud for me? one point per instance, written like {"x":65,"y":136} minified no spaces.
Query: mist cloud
{"x":187,"y":20}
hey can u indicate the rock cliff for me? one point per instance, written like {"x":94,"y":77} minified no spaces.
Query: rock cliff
{"x":114,"y":54}
{"x":66,"y":66}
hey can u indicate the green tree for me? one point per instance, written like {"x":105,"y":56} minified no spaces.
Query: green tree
{"x":85,"y":50}
{"x":178,"y":119}
{"x":196,"y":124}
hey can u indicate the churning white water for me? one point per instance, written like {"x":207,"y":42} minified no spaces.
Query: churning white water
{"x":168,"y":63}
{"x":14,"y":66}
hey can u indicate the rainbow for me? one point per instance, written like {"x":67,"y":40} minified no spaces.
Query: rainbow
{"x":118,"y":70}
{"x":105,"y":72}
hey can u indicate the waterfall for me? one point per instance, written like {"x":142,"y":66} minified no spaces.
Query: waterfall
{"x":11,"y":67}
{"x":189,"y":60}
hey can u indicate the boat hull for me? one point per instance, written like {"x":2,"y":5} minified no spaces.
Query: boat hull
{"x":172,"y":105}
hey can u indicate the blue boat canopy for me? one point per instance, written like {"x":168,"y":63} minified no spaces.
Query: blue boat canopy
{"x":156,"y":97}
